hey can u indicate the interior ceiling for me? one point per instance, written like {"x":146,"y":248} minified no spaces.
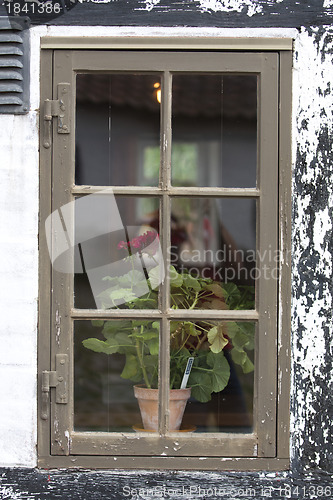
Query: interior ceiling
{"x":193,"y":95}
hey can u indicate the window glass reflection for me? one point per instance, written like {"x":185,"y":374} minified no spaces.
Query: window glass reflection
{"x":214,"y":130}
{"x":113,"y":267}
{"x":215,"y":360}
{"x":111,"y":358}
{"x":117,"y":124}
{"x":213,"y":240}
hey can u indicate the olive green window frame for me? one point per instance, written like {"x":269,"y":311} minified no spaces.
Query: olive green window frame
{"x":267,"y":448}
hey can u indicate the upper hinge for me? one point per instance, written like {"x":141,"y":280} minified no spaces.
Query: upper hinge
{"x":57,"y":379}
{"x":59,"y":108}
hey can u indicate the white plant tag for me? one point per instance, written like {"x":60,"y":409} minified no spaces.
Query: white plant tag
{"x":187,"y":372}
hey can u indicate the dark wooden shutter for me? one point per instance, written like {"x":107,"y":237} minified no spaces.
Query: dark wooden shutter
{"x":14,"y":67}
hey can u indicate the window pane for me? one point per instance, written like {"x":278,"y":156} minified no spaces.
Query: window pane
{"x":111,"y":357}
{"x":214,"y":130}
{"x":117,"y":129}
{"x":118,"y":257}
{"x":221,"y":376}
{"x":213,"y":248}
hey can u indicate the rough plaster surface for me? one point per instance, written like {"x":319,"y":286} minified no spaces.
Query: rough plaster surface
{"x":312,"y":255}
{"x":19,"y":172}
{"x":19,"y":287}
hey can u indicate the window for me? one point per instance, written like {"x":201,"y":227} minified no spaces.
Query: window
{"x":164,"y":239}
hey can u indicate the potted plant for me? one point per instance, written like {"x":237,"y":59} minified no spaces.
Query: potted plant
{"x":202,"y":342}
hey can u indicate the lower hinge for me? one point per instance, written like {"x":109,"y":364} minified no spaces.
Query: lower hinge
{"x":57,"y":379}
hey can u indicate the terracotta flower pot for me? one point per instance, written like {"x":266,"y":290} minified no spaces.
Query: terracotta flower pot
{"x":148,"y":403}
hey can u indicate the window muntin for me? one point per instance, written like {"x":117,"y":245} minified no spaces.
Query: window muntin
{"x":246,"y":444}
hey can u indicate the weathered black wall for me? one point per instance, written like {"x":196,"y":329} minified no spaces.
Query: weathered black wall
{"x":200,"y":13}
{"x":312,"y":286}
{"x":29,"y":484}
{"x":270,"y":13}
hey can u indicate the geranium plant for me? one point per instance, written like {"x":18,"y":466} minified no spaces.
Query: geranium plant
{"x":205,"y":341}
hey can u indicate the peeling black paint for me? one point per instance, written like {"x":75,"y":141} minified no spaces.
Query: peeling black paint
{"x":87,"y":485}
{"x":313,"y":284}
{"x":288,"y":13}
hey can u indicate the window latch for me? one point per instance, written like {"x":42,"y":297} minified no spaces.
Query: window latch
{"x":57,"y":379}
{"x":59,"y":108}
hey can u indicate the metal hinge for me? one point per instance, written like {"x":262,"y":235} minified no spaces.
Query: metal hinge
{"x":59,"y":108}
{"x":57,"y":379}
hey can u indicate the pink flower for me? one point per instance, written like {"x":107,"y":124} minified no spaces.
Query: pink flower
{"x":123,"y":244}
{"x":142,"y":243}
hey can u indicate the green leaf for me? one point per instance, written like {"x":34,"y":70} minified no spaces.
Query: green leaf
{"x":216,"y":289}
{"x":238,"y":357}
{"x":130,"y":279}
{"x":249,"y":330}
{"x":231,"y":294}
{"x":176,"y":279}
{"x":111,"y":328}
{"x":124,"y":342}
{"x":248,"y":366}
{"x":140,"y":322}
{"x":155,"y":276}
{"x":174,"y":325}
{"x":190,"y":329}
{"x":145,"y":334}
{"x":125,"y":294}
{"x":144,"y":303}
{"x":153,"y":346}
{"x":220,"y":373}
{"x":100,"y":346}
{"x":97,"y":322}
{"x":191,"y":282}
{"x":151,"y":362}
{"x":108,"y":278}
{"x":240,"y":340}
{"x":216,"y":339}
{"x":131,"y":368}
{"x":200,"y":384}
{"x":241,"y":358}
{"x":140,"y":288}
{"x":156,"y":325}
{"x":232,"y":328}
{"x":104,"y":297}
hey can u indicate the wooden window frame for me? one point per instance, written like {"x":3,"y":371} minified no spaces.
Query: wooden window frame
{"x":268,"y":447}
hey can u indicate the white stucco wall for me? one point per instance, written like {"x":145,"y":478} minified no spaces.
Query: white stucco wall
{"x":19,"y":280}
{"x":19,"y":232}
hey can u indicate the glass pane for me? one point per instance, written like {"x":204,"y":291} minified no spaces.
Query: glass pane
{"x":118,"y":256}
{"x":117,"y":129}
{"x":213,"y":253}
{"x":214,"y":130}
{"x":216,"y":360}
{"x":111,"y":357}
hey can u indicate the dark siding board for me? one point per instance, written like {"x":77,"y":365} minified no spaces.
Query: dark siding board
{"x":288,"y":13}
{"x":29,"y":484}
